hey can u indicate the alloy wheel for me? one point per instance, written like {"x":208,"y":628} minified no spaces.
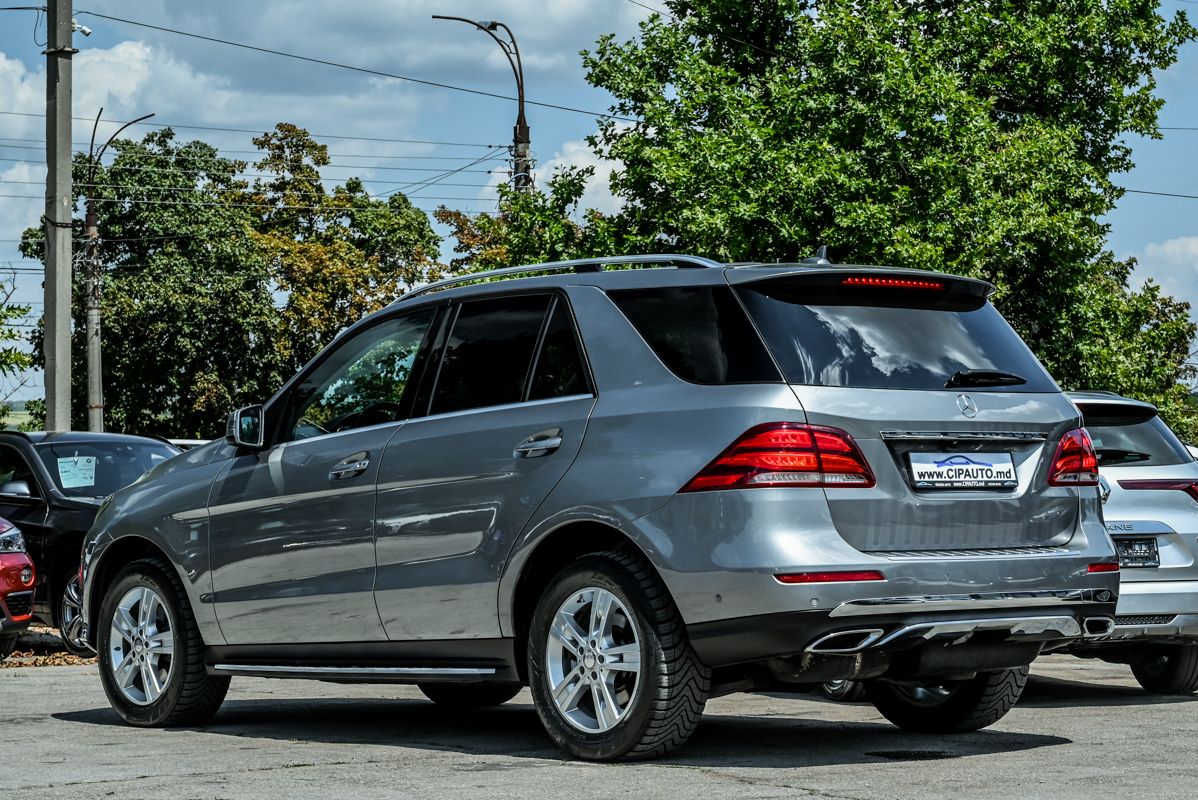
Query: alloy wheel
{"x":70,"y":616}
{"x":593,"y":660}
{"x":141,"y":645}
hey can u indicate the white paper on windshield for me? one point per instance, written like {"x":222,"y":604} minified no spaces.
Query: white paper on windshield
{"x":77,"y":471}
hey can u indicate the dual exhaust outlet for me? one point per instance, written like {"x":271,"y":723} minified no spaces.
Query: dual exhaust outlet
{"x":956,"y":631}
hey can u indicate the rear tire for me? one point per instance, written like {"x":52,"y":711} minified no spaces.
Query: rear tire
{"x":469,"y":695}
{"x":1168,"y":669}
{"x":70,"y":614}
{"x":150,"y":651}
{"x":951,"y":707}
{"x":7,"y":646}
{"x":611,"y":670}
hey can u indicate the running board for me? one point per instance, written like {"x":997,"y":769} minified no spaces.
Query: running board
{"x":355,"y":674}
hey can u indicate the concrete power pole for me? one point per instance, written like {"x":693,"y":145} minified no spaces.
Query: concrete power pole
{"x":59,"y":211}
{"x":95,"y":376}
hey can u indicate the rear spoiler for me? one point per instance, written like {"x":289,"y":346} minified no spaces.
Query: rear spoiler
{"x":869,"y":285}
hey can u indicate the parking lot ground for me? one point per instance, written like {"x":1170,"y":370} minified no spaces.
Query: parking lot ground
{"x":1083,"y":730}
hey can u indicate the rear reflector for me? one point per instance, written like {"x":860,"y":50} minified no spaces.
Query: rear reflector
{"x":831,"y":577}
{"x":1075,"y":462}
{"x":1190,"y":487}
{"x":786,"y":454}
{"x":894,"y":283}
{"x":1106,"y":566}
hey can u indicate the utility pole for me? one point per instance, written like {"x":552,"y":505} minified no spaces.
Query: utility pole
{"x":95,"y":373}
{"x":521,"y":139}
{"x":59,"y":211}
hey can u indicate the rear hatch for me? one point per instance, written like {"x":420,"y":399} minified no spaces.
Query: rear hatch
{"x":1152,"y":510}
{"x":957,"y":418}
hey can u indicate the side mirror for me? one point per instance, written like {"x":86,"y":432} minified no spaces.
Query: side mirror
{"x":16,"y":490}
{"x":246,"y":428}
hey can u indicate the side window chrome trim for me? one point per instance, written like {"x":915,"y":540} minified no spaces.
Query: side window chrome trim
{"x":503,"y":407}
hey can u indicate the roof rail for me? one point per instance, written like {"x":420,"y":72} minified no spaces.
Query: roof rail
{"x":576,"y":265}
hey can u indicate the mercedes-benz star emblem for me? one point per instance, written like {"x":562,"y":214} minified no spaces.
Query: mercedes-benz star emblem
{"x":967,"y":406}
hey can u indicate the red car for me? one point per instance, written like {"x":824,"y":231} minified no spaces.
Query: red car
{"x":16,"y":587}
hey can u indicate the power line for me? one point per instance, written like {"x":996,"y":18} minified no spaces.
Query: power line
{"x":1162,"y":194}
{"x":364,"y":70}
{"x":267,"y":175}
{"x":181,"y":126}
{"x":259,"y":152}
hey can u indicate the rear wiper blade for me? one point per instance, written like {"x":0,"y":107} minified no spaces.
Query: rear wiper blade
{"x":983,"y":377}
{"x":1109,"y":454}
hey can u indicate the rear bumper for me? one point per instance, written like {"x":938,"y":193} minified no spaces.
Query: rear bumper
{"x":870,"y":642}
{"x":1160,"y":610}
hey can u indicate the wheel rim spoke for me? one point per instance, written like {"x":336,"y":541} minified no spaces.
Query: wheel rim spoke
{"x":141,"y":646}
{"x":593,"y":660}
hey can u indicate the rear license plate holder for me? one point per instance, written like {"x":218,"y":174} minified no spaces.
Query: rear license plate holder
{"x":1137,"y":553}
{"x":964,"y":471}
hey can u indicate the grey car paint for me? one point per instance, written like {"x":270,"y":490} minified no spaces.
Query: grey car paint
{"x":253,"y":562}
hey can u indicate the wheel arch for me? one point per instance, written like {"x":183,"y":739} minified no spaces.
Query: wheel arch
{"x":119,"y":554}
{"x":552,"y":553}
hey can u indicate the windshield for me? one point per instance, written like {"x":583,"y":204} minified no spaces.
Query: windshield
{"x":97,"y":469}
{"x":829,"y":336}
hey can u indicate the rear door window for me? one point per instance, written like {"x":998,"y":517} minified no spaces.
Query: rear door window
{"x":1128,"y":437}
{"x":487,"y":357}
{"x":560,"y":371}
{"x":699,"y":332}
{"x":824,"y":335}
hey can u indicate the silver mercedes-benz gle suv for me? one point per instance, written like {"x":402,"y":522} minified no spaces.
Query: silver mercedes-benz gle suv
{"x":629,"y":489}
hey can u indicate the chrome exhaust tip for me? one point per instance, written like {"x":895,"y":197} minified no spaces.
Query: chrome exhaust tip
{"x":842,"y":642}
{"x":1098,"y":626}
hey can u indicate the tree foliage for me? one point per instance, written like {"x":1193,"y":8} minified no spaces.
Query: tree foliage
{"x":215,"y":289}
{"x":978,"y":137}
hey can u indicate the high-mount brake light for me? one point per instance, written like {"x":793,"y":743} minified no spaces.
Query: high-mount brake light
{"x":1075,"y":463}
{"x":831,"y":577}
{"x":1188,"y":486}
{"x":786,"y":454}
{"x":893,"y":283}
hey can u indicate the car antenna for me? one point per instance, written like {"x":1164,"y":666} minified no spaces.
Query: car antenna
{"x":820,"y":257}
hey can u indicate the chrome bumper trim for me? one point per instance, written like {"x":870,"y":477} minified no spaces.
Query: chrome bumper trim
{"x":350,"y":672}
{"x":969,"y":602}
{"x":956,"y":631}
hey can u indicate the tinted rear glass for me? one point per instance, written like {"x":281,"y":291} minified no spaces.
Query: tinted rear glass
{"x":896,"y":339}
{"x":1129,"y":440}
{"x":559,"y":371}
{"x":489,"y":353}
{"x":700,"y":333}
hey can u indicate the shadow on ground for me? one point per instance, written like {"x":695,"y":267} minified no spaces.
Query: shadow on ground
{"x":1045,"y":692}
{"x":514,"y":730}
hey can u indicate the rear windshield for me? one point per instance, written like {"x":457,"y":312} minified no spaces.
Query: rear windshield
{"x":1129,"y":440}
{"x":97,"y":469}
{"x":897,"y":339}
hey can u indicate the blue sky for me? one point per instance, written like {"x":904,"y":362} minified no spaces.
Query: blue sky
{"x":132,"y":71}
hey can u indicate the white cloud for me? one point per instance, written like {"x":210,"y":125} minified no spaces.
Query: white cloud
{"x":598,"y":191}
{"x":1174,"y":265}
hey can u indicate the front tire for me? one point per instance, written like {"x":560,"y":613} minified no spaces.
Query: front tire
{"x":462,"y":696}
{"x":950,"y":707}
{"x":70,"y":615}
{"x":150,"y":651}
{"x":1168,"y":669}
{"x":7,"y":645}
{"x":843,"y":691}
{"x":611,"y":670}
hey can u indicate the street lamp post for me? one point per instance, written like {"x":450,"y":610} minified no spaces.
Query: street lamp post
{"x":521,"y":160}
{"x":95,"y":381}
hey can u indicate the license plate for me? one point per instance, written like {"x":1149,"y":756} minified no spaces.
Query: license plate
{"x":1137,"y":552}
{"x":962,"y":471}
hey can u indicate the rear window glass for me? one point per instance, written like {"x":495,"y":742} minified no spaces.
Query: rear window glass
{"x":832,"y":336}
{"x":700,"y":333}
{"x":1124,"y":440}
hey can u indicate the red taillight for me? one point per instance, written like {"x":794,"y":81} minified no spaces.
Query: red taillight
{"x":893,"y":283}
{"x":786,"y":454}
{"x":831,"y":577}
{"x":1075,"y":462}
{"x":1105,"y":566}
{"x":1190,"y":487}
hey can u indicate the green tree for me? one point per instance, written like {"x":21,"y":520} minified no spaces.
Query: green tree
{"x":978,"y":137}
{"x":187,"y":313}
{"x":13,"y":359}
{"x":531,"y":227}
{"x":335,"y":256}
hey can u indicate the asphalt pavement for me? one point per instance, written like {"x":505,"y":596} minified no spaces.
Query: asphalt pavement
{"x":1083,"y":730}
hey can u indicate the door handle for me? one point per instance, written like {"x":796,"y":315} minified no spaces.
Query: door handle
{"x":540,"y":444}
{"x":350,"y":467}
